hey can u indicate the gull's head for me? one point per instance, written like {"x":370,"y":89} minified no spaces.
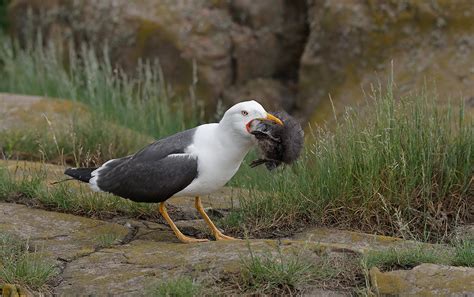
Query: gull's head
{"x":239,"y":117}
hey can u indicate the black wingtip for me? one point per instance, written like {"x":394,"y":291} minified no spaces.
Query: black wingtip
{"x":82,"y":174}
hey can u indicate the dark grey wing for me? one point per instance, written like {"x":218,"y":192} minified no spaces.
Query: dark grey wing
{"x":145,"y":180}
{"x":153,"y":174}
{"x":174,"y":144}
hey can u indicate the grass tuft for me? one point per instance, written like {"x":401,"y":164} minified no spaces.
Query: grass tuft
{"x":107,"y":240}
{"x":280,"y":274}
{"x":19,"y":266}
{"x":393,"y":259}
{"x":464,"y":253}
{"x":178,"y":287}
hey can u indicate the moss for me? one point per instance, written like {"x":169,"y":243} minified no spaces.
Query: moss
{"x":161,"y":40}
{"x":166,"y":46}
{"x":423,"y":280}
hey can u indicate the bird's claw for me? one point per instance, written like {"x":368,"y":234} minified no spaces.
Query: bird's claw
{"x":192,"y":240}
{"x":220,"y":236}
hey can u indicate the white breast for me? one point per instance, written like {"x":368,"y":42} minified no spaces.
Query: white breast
{"x":219,"y":158}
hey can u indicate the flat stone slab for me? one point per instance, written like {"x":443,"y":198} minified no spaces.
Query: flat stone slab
{"x":57,"y":235}
{"x":133,"y":267}
{"x":356,"y":241}
{"x":424,"y":280}
{"x":141,"y":263}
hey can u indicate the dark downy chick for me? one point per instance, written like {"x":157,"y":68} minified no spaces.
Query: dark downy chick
{"x":278,"y":144}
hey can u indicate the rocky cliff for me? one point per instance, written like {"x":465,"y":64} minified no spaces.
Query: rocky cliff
{"x":289,"y":54}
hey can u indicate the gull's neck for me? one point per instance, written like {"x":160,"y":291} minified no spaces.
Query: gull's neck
{"x":236,"y":144}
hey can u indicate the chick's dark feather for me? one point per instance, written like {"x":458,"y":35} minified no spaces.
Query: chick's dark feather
{"x":278,"y":144}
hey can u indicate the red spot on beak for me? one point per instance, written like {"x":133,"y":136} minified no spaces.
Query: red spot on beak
{"x":247,"y":126}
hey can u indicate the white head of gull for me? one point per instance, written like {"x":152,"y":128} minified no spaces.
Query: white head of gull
{"x":194,"y":162}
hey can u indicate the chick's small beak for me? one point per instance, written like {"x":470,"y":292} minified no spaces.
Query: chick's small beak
{"x":273,"y":118}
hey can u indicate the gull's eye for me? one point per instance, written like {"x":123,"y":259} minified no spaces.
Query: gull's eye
{"x":244,"y":113}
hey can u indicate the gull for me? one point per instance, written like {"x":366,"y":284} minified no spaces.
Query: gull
{"x":194,"y":162}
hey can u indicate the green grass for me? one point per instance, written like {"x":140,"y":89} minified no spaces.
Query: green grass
{"x":142,"y":102}
{"x":281,"y":274}
{"x":19,"y":266}
{"x":84,"y":141}
{"x":402,"y":166}
{"x":107,"y":240}
{"x":464,"y":253}
{"x":178,"y":287}
{"x":393,"y":259}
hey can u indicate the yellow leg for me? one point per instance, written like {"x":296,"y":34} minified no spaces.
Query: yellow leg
{"x":183,"y":238}
{"x":217,"y":234}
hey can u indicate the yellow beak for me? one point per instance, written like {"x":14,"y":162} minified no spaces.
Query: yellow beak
{"x":273,"y":118}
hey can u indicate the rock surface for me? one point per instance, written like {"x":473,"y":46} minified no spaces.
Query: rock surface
{"x":230,"y":42}
{"x":355,"y":241}
{"x":57,"y":235}
{"x":352,"y":44}
{"x":98,"y":257}
{"x":424,"y":280}
{"x":293,"y":53}
{"x":19,"y":112}
{"x":135,"y":259}
{"x":272,"y":93}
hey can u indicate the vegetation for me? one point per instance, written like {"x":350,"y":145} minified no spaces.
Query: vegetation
{"x":19,"y":266}
{"x":83,"y":141}
{"x":464,"y":253}
{"x":141,"y":103}
{"x":392,"y":259}
{"x":401,"y":167}
{"x":281,"y":274}
{"x":178,"y":287}
{"x":107,"y":240}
